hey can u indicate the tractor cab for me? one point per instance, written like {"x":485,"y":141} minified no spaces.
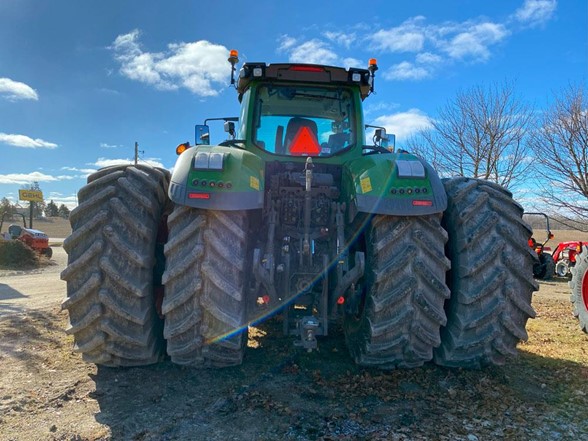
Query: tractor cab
{"x":302,"y":110}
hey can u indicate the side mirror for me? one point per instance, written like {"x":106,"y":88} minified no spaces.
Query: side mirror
{"x":230,"y":128}
{"x":202,"y":135}
{"x":382,"y":139}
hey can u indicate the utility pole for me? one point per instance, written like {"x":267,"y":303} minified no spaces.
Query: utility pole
{"x":137,"y":151}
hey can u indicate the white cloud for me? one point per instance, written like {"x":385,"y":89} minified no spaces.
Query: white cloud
{"x":475,"y":41}
{"x":341,"y":38}
{"x":25,"y":141}
{"x":535,"y":12}
{"x":312,"y":52}
{"x":15,"y":90}
{"x":27,"y":178}
{"x":404,"y":124}
{"x":408,"y":37}
{"x":85,"y":172}
{"x":428,"y":58}
{"x":104,"y":145}
{"x":286,"y":43}
{"x":353,"y":62}
{"x":406,"y":71}
{"x":201,"y":66}
{"x":104,"y":162}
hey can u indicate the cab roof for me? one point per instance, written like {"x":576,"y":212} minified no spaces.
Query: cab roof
{"x":304,"y":73}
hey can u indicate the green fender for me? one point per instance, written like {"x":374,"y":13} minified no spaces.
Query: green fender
{"x":218,"y":178}
{"x":398,"y":184}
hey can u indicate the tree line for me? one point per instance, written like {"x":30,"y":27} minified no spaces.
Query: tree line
{"x":48,"y":209}
{"x":489,"y":132}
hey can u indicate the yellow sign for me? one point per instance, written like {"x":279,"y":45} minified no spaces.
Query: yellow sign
{"x":30,"y":195}
{"x":254,"y":182}
{"x":366,"y":185}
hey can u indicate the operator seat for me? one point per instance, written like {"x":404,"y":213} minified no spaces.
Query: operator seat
{"x":294,"y":125}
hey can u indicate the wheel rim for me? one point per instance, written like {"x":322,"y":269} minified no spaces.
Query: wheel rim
{"x":561,"y":269}
{"x":585,"y":290}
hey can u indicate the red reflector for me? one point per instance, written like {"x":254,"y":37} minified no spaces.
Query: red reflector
{"x":307,"y":68}
{"x":198,"y":195}
{"x":340,"y":300}
{"x":266,"y":299}
{"x":305,"y":143}
{"x":422,"y":203}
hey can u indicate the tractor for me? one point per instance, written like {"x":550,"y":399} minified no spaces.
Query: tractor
{"x":544,"y":267}
{"x":295,"y":216}
{"x":35,"y":239}
{"x":564,"y":256}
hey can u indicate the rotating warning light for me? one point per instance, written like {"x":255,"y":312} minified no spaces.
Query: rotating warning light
{"x":182,"y":148}
{"x":233,"y":56}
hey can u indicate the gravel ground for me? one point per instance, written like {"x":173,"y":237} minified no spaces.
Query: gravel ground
{"x":280,"y":392}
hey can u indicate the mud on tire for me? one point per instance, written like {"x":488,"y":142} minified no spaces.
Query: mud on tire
{"x":579,"y":295}
{"x":111,"y":254}
{"x":398,"y":321}
{"x":491,"y":276}
{"x":205,"y":287}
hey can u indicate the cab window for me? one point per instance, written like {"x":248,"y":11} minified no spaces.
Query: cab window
{"x":303,"y":121}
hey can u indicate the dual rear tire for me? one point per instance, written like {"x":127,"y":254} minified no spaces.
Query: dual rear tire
{"x":407,"y":320}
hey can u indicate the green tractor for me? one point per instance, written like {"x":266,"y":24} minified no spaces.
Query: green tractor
{"x":296,"y":215}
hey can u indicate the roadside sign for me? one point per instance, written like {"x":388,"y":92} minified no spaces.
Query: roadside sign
{"x":30,"y":195}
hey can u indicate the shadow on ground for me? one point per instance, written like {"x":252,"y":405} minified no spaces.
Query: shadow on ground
{"x":282,"y":393}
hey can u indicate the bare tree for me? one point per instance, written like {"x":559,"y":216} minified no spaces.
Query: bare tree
{"x":481,"y":133}
{"x":560,"y":143}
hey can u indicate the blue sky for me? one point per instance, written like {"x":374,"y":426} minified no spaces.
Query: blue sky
{"x":81,"y":81}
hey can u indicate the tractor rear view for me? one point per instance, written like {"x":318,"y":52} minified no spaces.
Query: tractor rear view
{"x":296,"y":215}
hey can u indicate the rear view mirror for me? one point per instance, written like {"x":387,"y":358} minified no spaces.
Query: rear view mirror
{"x":202,"y":135}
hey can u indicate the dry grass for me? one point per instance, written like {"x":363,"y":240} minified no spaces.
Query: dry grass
{"x":555,"y":332}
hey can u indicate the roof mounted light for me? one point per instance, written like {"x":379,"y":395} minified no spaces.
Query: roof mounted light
{"x":233,"y":59}
{"x":372,"y":67}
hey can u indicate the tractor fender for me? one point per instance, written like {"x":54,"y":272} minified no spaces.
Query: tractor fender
{"x":398,"y":184}
{"x":218,"y":178}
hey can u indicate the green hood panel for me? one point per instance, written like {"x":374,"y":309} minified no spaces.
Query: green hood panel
{"x":398,"y":184}
{"x":235,"y":182}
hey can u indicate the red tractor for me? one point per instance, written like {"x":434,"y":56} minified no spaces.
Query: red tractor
{"x":579,"y":285}
{"x":35,"y":239}
{"x":544,"y":268}
{"x":564,"y":256}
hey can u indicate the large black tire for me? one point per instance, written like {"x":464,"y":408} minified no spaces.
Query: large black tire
{"x":544,"y":269}
{"x":491,"y":276}
{"x":579,"y":285}
{"x":206,"y":281}
{"x":110,"y":296}
{"x":398,"y":319}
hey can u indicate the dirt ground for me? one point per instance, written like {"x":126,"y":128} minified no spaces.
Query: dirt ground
{"x":280,"y":392}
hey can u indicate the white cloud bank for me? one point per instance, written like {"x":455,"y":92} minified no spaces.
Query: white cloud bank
{"x":28,"y":178}
{"x":15,"y":90}
{"x":24,"y":141}
{"x":105,"y":162}
{"x":404,"y":124}
{"x":200,"y":66}
{"x":425,"y":46}
{"x":535,"y":12}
